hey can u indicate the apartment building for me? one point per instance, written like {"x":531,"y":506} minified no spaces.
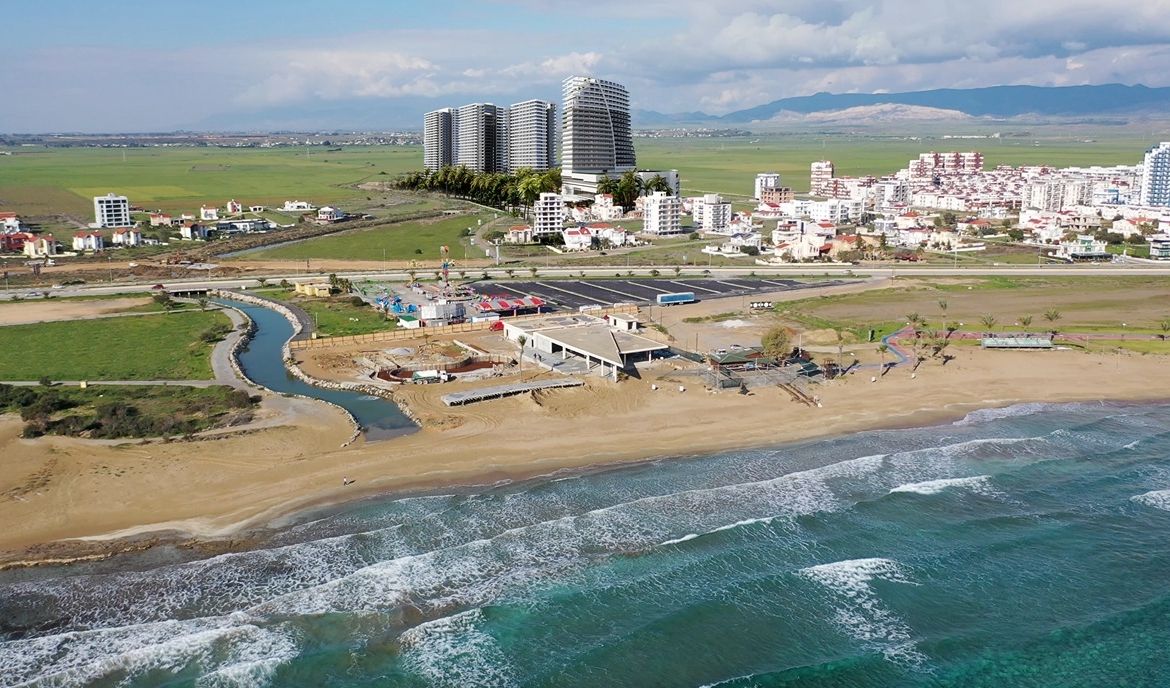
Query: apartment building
{"x":480,"y":131}
{"x":111,"y":211}
{"x":711,"y":213}
{"x":1156,"y":176}
{"x":548,"y":215}
{"x":820,"y":178}
{"x":438,"y":139}
{"x":595,"y":133}
{"x":661,"y":213}
{"x":764,"y":181}
{"x":532,"y":135}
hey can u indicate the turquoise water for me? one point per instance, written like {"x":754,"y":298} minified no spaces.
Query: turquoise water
{"x":1027,"y":546}
{"x":263,"y":363}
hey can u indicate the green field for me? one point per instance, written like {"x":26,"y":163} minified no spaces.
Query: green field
{"x":148,"y":347}
{"x":46,"y":181}
{"x":729,"y":165}
{"x":406,"y":241}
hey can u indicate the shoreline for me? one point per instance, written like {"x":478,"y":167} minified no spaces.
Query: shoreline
{"x":209,"y":535}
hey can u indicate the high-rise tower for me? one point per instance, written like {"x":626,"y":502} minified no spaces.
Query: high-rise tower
{"x":595,"y":131}
{"x":481,"y":137}
{"x":1156,"y":176}
{"x":438,"y":139}
{"x":532,"y":135}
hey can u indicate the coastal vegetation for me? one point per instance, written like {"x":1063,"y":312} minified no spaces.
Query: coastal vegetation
{"x":113,"y":412}
{"x":175,"y":346}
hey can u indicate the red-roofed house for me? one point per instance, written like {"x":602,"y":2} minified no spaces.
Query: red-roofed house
{"x":127,"y":236}
{"x":11,"y":242}
{"x":578,"y":239}
{"x":9,"y":222}
{"x":519,"y":234}
{"x":39,"y":247}
{"x":88,"y":241}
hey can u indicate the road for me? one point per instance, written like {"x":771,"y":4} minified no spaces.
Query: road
{"x":787,"y":271}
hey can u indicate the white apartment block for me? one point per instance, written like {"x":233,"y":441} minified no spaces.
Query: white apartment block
{"x":890,"y":193}
{"x":765,"y":180}
{"x":820,"y":178}
{"x":595,"y":127}
{"x":480,"y":132}
{"x":1156,"y":176}
{"x":661,"y":213}
{"x":438,"y":139}
{"x":711,"y":213}
{"x":111,"y":211}
{"x":548,"y":215}
{"x":532,"y":135}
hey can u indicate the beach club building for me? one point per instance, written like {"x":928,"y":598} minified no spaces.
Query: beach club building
{"x":602,"y":345}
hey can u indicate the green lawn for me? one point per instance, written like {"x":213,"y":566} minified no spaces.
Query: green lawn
{"x":336,"y":316}
{"x":404,"y":241}
{"x":148,"y":347}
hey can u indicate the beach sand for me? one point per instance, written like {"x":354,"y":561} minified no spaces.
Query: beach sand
{"x":54,"y":489}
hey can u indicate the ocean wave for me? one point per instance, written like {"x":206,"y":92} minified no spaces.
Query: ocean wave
{"x":976,"y":483}
{"x":228,"y":648}
{"x":859,"y":611}
{"x":454,"y":651}
{"x":1159,"y":499}
{"x":987,"y":415}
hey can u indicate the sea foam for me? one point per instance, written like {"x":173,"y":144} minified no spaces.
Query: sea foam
{"x":1159,"y":499}
{"x":976,"y":483}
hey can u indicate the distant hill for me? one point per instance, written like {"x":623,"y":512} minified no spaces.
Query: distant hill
{"x":995,"y":102}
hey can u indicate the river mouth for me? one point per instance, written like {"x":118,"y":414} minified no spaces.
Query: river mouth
{"x":262,"y":361}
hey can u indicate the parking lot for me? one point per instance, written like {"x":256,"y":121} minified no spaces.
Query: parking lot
{"x":573,"y":294}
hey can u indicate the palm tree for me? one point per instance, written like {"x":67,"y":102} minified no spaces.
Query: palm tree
{"x":202,"y":301}
{"x":677,"y":271}
{"x":509,"y":272}
{"x":1025,"y":323}
{"x":530,"y":188}
{"x":914,"y":320}
{"x":942,"y":305}
{"x":988,"y":322}
{"x":1052,"y":315}
{"x":1165,"y":325}
{"x":523,"y":340}
{"x":532,"y":271}
{"x":882,"y":349}
{"x":605,"y":185}
{"x":658,"y":183}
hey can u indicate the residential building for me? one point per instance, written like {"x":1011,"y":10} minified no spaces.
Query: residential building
{"x":578,"y":239}
{"x":126,"y":236}
{"x":11,"y":242}
{"x":765,"y":180}
{"x":438,"y":139}
{"x":595,"y":133}
{"x":604,"y":209}
{"x":1160,"y":246}
{"x":1156,"y":176}
{"x":820,"y":178}
{"x":9,"y":222}
{"x":88,"y":241}
{"x":234,"y":207}
{"x":548,"y":215}
{"x":208,"y":213}
{"x":40,"y":247}
{"x":111,"y":211}
{"x":661,"y":213}
{"x":161,"y":220}
{"x":480,"y":132}
{"x":330,"y":214}
{"x":532,"y":135}
{"x":193,"y":231}
{"x":671,"y":177}
{"x":297,"y":206}
{"x":711,"y":213}
{"x":518,"y":234}
{"x":779,"y":194}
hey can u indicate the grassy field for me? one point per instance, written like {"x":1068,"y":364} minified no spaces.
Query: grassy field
{"x":335,"y":316}
{"x":406,"y":241}
{"x":45,"y":181}
{"x":729,"y":165}
{"x":148,"y":347}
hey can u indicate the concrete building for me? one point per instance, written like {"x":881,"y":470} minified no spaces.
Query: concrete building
{"x":661,"y":213}
{"x":548,"y":215}
{"x":111,"y":211}
{"x":821,"y":178}
{"x":1160,"y":246}
{"x":711,"y":212}
{"x":88,"y":241}
{"x":480,"y":131}
{"x":532,"y":135}
{"x":438,"y":139}
{"x":765,"y":180}
{"x":595,"y":133}
{"x":1156,"y":176}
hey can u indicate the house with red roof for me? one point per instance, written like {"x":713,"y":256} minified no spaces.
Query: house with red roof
{"x":88,"y":241}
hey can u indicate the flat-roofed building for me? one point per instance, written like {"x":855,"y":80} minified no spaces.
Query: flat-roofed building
{"x":532,"y":136}
{"x":438,"y":141}
{"x":595,"y":133}
{"x":481,"y":137}
{"x":548,"y":215}
{"x":111,"y":211}
{"x":661,"y":213}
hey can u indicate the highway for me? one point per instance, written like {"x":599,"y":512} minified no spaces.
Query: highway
{"x":785,"y":271}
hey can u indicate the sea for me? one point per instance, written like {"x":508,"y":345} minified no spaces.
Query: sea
{"x":1022,"y":546}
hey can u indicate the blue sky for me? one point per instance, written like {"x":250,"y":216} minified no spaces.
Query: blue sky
{"x":131,"y":65}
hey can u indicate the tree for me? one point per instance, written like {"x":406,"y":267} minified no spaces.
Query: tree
{"x":532,"y":271}
{"x":914,"y":320}
{"x":509,"y":272}
{"x":882,"y":349}
{"x":677,"y":271}
{"x":942,"y":305}
{"x":1052,"y":315}
{"x":262,"y":281}
{"x":988,"y":321}
{"x":777,"y":343}
{"x":523,"y":340}
{"x":1025,"y":323}
{"x":1165,"y":327}
{"x":202,"y":301}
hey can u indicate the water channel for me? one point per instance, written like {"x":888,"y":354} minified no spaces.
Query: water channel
{"x":262,"y":362}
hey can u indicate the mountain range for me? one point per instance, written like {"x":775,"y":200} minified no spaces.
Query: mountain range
{"x":995,"y":102}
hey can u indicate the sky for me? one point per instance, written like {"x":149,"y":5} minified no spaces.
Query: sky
{"x":146,"y":65}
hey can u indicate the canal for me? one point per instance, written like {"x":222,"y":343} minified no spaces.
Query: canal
{"x":262,"y":362}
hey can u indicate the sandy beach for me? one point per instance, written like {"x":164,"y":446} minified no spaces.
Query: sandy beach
{"x":61,"y":488}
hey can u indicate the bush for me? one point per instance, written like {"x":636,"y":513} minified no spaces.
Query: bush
{"x":357,"y":302}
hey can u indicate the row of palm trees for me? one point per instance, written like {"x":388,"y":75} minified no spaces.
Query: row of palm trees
{"x":989,"y":321}
{"x":495,"y":189}
{"x":626,"y":189}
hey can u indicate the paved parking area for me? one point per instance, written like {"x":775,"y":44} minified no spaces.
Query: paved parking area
{"x":570,"y":294}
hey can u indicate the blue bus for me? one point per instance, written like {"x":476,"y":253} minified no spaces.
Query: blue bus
{"x":676,"y":298}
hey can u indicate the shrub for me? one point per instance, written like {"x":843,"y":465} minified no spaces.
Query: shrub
{"x":357,"y":302}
